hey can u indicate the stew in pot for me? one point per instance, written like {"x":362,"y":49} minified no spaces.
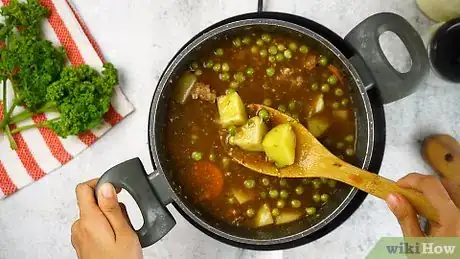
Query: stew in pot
{"x":209,"y":101}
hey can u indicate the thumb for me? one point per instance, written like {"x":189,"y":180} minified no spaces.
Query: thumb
{"x":108,"y":202}
{"x":405,"y":214}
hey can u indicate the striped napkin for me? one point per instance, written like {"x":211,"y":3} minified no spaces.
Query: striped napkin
{"x":41,"y":151}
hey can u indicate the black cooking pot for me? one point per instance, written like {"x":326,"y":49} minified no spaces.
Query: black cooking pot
{"x":373,"y":82}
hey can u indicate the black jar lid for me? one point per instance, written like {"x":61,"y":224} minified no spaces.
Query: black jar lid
{"x":444,"y":51}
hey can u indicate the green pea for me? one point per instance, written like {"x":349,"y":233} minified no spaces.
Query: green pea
{"x":265,"y":181}
{"x":282,"y":108}
{"x":254,"y":49}
{"x":325,"y":88}
{"x":271,"y":58}
{"x":296,"y":204}
{"x":299,"y":190}
{"x":224,"y":76}
{"x":230,"y":91}
{"x":270,"y":71}
{"x":194,"y":137}
{"x":249,"y":184}
{"x":198,"y":72}
{"x":234,"y":84}
{"x":310,"y":211}
{"x":194,"y":66}
{"x":273,"y":50}
{"x":239,"y":77}
{"x":231,"y":140}
{"x":281,"y":47}
{"x":303,"y":49}
{"x":279,"y":57}
{"x":266,"y":37}
{"x":350,"y":152}
{"x":292,"y":105}
{"x":316,"y":183}
{"x":323,"y":61}
{"x":283,"y":182}
{"x":350,"y":138}
{"x":260,"y":42}
{"x":324,"y":197}
{"x":264,"y":115}
{"x":268,"y":102}
{"x":332,"y":80}
{"x":197,"y":156}
{"x":284,"y":194}
{"x":236,"y":42}
{"x":338,"y":92}
{"x":316,"y":197}
{"x":335,"y":105}
{"x":276,"y":212}
{"x":231,"y":130}
{"x":250,"y":213}
{"x":225,"y":67}
{"x":288,"y":54}
{"x":263,"y":53}
{"x":263,"y":195}
{"x":216,"y":67}
{"x":323,"y":179}
{"x":273,"y":194}
{"x":246,"y":40}
{"x":212,"y":156}
{"x":293,"y":46}
{"x":250,"y":71}
{"x":280,"y":204}
{"x":219,"y":52}
{"x":209,"y":64}
{"x":225,"y":162}
{"x":340,"y":145}
{"x":306,"y":180}
{"x":332,"y":183}
{"x":315,"y":87}
{"x":345,"y":102}
{"x":231,"y":200}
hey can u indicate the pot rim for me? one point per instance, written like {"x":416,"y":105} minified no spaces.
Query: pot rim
{"x":173,"y":65}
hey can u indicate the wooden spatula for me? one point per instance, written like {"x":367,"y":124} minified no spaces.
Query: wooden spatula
{"x":314,"y":160}
{"x":442,"y":153}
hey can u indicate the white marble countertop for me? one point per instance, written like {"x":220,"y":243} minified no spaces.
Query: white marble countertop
{"x":140,"y":37}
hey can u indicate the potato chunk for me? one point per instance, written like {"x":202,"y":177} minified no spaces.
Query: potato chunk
{"x":279,"y":145}
{"x":241,"y":196}
{"x":318,"y":125}
{"x":263,"y":216}
{"x":287,"y":216}
{"x":231,"y":110}
{"x":184,"y":87}
{"x":250,"y":136}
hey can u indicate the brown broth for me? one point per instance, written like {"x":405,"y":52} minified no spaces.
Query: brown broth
{"x":193,"y":126}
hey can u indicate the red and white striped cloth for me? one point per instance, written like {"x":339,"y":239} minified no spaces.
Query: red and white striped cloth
{"x":41,"y":151}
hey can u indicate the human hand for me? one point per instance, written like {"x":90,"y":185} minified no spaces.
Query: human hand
{"x":442,"y":196}
{"x":103,"y":230}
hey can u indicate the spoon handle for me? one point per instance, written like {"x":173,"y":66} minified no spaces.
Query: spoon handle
{"x":382,"y":187}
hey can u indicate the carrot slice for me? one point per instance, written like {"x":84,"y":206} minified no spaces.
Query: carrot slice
{"x":207,"y":180}
{"x":336,"y":73}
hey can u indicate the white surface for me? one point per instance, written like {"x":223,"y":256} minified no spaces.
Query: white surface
{"x":140,"y":37}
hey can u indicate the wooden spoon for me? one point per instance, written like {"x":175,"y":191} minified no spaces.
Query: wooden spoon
{"x":442,"y":153}
{"x":314,"y":160}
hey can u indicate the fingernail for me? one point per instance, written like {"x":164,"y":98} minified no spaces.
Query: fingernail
{"x":392,"y":201}
{"x":107,"y":191}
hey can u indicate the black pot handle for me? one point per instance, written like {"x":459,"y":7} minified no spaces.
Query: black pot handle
{"x":131,"y":176}
{"x":392,"y":84}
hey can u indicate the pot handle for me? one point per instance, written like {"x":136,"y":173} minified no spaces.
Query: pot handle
{"x":392,"y":84}
{"x":131,"y":176}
